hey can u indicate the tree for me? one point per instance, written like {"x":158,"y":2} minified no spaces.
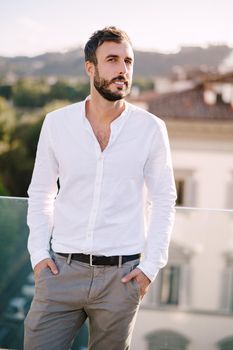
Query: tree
{"x":17,"y":160}
{"x":6,"y":91}
{"x":62,"y":91}
{"x":28,"y":93}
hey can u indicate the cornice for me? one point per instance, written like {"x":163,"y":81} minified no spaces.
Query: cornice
{"x":214,"y":130}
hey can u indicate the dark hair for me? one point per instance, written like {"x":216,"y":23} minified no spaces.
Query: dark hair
{"x":99,"y":37}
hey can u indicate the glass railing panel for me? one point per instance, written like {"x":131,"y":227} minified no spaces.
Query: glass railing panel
{"x":17,"y":279}
{"x":189,"y":306}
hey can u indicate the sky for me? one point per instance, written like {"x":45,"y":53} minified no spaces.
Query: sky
{"x":31,"y":27}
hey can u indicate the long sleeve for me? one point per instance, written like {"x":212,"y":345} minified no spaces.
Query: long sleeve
{"x":42,"y":192}
{"x":161,"y":197}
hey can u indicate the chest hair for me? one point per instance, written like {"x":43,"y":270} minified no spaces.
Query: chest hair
{"x":102,"y":134}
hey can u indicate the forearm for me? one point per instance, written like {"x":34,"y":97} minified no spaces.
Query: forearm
{"x":40,"y":222}
{"x":161,"y":197}
{"x":160,"y":225}
{"x":42,"y":192}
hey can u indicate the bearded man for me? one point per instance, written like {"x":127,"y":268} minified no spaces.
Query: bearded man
{"x":92,"y":252}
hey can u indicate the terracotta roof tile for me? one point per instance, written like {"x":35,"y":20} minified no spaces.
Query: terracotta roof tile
{"x":189,"y":104}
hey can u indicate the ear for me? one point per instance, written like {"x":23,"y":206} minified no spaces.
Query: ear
{"x":90,"y":69}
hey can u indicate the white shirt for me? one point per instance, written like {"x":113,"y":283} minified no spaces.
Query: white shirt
{"x":104,"y":196}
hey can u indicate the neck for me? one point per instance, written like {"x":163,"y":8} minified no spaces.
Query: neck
{"x":103,"y":111}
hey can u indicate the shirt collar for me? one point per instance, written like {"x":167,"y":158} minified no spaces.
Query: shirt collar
{"x":116,"y":123}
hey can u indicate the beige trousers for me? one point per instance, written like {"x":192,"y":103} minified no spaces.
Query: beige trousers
{"x":62,"y":303}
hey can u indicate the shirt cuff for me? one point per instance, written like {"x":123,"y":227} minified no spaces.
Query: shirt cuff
{"x":149,"y":269}
{"x":39,"y":256}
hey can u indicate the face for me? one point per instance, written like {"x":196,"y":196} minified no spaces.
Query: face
{"x":112,"y":76}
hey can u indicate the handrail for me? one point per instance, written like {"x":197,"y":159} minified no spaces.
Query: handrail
{"x":177,"y":207}
{"x":204,"y":209}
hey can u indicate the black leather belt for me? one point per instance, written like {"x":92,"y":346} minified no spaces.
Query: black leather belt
{"x":100,"y":260}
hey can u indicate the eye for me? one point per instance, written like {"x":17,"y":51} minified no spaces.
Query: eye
{"x":128,"y":61}
{"x":112,"y":59}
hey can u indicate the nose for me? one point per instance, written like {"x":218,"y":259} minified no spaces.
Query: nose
{"x":123,"y":68}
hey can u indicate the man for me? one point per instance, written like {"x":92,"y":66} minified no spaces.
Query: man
{"x":103,"y":259}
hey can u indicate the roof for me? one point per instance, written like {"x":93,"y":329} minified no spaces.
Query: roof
{"x":189,"y":105}
{"x":218,"y":77}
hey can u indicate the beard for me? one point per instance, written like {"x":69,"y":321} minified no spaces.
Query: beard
{"x":102,"y":86}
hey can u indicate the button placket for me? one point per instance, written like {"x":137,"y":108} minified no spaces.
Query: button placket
{"x":116,"y":127}
{"x":95,"y":203}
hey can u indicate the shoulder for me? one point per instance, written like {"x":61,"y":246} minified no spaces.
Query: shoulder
{"x":63,"y":114}
{"x":146,"y":118}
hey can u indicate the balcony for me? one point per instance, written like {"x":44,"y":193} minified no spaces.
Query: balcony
{"x":188,"y":307}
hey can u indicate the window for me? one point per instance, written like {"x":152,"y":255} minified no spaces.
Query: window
{"x":172,"y":285}
{"x":180,"y":186}
{"x":229,"y":191}
{"x":226,"y":344}
{"x":227,"y":284}
{"x":186,"y":187}
{"x":166,"y":340}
